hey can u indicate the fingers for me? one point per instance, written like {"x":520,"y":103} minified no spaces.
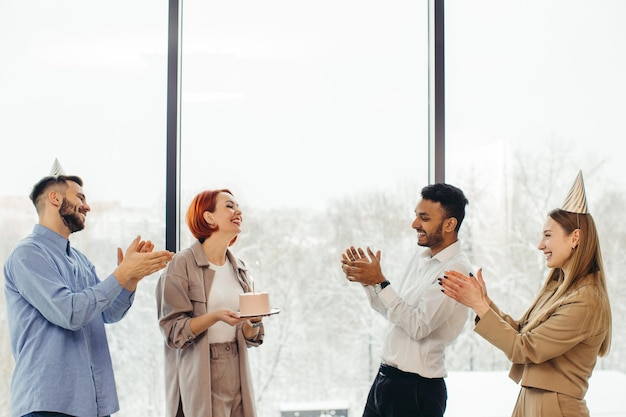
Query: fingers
{"x":145,"y":246}
{"x":162,"y":257}
{"x":359,"y":266}
{"x":153,"y":262}
{"x":353,"y":254}
{"x":349,"y":256}
{"x":451,"y":279}
{"x":120,"y":255}
{"x":481,"y":282}
{"x":350,"y":271}
{"x":448,"y":287}
{"x":480,"y":276}
{"x":454,"y":274}
{"x":453,"y":282}
{"x":232,"y":314}
{"x":134,"y":244}
{"x":373,"y":256}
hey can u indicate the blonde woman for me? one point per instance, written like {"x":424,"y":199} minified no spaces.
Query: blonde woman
{"x":554,"y":346}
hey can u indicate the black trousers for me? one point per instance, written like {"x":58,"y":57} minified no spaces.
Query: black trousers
{"x":396,"y":393}
{"x":46,"y":414}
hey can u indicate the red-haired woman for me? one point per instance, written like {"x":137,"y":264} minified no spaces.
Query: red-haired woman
{"x":206,"y":364}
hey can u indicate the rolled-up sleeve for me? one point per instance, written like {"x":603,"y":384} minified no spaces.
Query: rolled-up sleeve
{"x":175,"y":309}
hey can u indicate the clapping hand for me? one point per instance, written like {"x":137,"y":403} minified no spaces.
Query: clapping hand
{"x":139,"y":261}
{"x":360,"y":267}
{"x":468,"y":290}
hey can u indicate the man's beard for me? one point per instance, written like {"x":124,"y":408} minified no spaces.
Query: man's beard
{"x":71,"y":217}
{"x":435,"y":238}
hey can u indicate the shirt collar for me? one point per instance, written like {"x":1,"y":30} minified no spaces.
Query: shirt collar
{"x":202,"y":260}
{"x":55,"y":239}
{"x":445,"y":254}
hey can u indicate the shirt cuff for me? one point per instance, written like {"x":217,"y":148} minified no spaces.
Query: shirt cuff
{"x":111,"y":287}
{"x":387,"y":295}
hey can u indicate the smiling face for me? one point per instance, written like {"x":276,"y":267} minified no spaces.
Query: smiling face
{"x":556,"y":244}
{"x":74,"y":207}
{"x":429,"y":224}
{"x":227,"y":217}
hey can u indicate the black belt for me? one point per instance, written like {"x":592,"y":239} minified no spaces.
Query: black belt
{"x":392,"y":372}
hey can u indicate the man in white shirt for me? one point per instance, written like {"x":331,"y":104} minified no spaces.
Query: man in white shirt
{"x":422,"y":320}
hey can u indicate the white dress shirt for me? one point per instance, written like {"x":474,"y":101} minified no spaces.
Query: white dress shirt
{"x":422,"y":319}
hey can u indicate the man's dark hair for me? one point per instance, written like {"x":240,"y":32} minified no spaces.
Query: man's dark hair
{"x":451,"y":198}
{"x":46,"y":182}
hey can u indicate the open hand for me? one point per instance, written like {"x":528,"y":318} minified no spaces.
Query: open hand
{"x":360,"y":267}
{"x":140,"y":260}
{"x":467,"y":290}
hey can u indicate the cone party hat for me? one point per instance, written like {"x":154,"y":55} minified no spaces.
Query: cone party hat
{"x":56,"y":169}
{"x":576,"y":200}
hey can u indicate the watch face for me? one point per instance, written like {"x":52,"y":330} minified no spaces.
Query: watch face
{"x":379,"y":286}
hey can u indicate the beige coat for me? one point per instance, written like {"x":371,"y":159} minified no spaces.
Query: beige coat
{"x":560,"y":353}
{"x":182,"y":293}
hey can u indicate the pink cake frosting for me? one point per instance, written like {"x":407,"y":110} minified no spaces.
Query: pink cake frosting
{"x":254,"y":304}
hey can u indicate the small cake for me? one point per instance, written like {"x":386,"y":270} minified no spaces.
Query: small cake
{"x":254,"y":304}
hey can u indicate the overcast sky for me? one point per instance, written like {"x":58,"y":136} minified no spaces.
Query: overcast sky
{"x":296,"y":98}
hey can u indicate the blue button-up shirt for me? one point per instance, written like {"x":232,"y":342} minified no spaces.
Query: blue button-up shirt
{"x":57,"y":308}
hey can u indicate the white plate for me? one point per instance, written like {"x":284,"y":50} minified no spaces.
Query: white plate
{"x":272,"y":311}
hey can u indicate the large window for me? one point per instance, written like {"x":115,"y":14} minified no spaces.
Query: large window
{"x":535,"y":92}
{"x":315,"y":115}
{"x":85,"y":83}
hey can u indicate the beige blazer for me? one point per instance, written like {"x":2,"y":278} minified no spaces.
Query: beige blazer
{"x":560,"y":353}
{"x":182,"y":292}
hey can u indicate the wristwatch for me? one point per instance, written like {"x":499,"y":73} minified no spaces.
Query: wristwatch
{"x":254,"y":324}
{"x":379,"y":286}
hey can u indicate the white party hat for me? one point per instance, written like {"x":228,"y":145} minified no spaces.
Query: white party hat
{"x":576,"y":200}
{"x":56,"y":169}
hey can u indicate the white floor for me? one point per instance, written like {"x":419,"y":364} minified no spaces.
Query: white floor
{"x":493,"y":394}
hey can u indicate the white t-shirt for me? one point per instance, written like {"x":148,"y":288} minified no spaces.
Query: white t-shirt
{"x":224,"y":293}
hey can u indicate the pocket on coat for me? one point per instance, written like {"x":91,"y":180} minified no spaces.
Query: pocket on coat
{"x":197,"y":297}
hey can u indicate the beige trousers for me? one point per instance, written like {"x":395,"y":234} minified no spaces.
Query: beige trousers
{"x":534,"y":402}
{"x":225,"y":380}
{"x":226,"y":398}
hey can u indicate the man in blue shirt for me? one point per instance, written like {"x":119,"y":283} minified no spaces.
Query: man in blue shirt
{"x":57,"y":307}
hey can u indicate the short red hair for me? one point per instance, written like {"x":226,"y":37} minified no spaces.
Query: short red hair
{"x":204,"y":201}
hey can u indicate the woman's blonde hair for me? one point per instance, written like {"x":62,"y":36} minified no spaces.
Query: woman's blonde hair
{"x":586,"y":263}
